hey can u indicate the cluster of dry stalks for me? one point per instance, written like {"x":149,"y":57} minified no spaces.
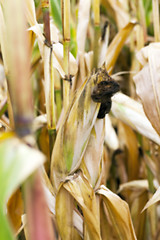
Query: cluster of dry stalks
{"x":77,"y":162}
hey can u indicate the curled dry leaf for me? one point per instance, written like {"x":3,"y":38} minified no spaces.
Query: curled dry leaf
{"x":119,"y":214}
{"x":133,"y":189}
{"x":155,"y":198}
{"x":80,"y":189}
{"x":131,"y":112}
{"x":148,"y":83}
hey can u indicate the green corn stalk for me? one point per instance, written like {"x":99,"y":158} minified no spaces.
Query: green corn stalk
{"x":49,"y":75}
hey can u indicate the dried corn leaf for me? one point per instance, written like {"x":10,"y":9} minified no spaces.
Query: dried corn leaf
{"x":155,"y":198}
{"x":83,"y":20}
{"x":30,"y":12}
{"x":129,"y":141}
{"x":131,"y":112}
{"x":83,"y":193}
{"x":121,"y":12}
{"x":84,"y":69}
{"x":132,"y":190}
{"x":116,"y":46}
{"x":92,"y":160}
{"x":64,"y":214}
{"x":119,"y":214}
{"x":57,"y":47}
{"x":51,"y":201}
{"x":74,"y":132}
{"x":148,"y":83}
{"x":15,"y":209}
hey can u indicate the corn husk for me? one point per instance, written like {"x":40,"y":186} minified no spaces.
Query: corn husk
{"x":71,"y":142}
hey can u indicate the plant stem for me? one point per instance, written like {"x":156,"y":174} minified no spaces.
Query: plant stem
{"x":39,"y":222}
{"x":65,"y":4}
{"x":46,"y":20}
{"x":50,"y":104}
{"x":97,"y":31}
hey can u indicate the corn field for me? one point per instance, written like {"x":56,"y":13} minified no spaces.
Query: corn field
{"x":79,"y":120}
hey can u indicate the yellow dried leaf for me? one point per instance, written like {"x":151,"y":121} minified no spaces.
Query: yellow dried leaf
{"x":128,"y":139}
{"x":119,"y":214}
{"x":15,"y":209}
{"x":155,"y":198}
{"x":83,"y":193}
{"x":116,"y":46}
{"x":64,"y":214}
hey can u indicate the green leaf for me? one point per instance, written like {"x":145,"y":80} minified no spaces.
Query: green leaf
{"x":56,"y":13}
{"x":17,"y":162}
{"x":5,"y":232}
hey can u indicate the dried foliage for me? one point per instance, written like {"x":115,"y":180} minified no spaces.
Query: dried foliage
{"x":79,"y":147}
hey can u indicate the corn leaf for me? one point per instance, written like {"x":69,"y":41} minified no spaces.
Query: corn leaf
{"x":147,"y":83}
{"x":56,"y":13}
{"x":131,"y":112}
{"x":129,"y":141}
{"x":83,"y":193}
{"x":155,"y":198}
{"x":119,"y":214}
{"x":83,"y":20}
{"x":116,"y":46}
{"x":64,"y":214}
{"x":18,"y":161}
{"x":71,"y":142}
{"x":92,"y":160}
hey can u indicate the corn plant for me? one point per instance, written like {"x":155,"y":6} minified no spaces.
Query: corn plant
{"x":79,"y":120}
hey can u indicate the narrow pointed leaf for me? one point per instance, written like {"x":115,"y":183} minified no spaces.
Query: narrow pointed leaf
{"x":154,"y":199}
{"x":116,"y":46}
